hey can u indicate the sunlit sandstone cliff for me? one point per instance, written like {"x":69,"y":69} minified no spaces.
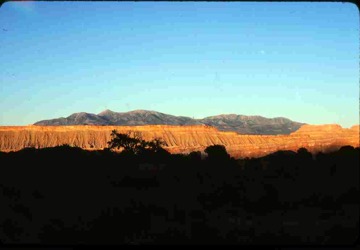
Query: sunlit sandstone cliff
{"x":181,"y":139}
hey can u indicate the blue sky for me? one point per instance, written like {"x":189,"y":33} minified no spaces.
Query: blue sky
{"x":196,"y":59}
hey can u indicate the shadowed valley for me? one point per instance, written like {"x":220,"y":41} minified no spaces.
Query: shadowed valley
{"x":145,"y":195}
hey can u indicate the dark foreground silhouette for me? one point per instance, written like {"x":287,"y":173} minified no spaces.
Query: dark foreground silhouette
{"x":66,"y":195}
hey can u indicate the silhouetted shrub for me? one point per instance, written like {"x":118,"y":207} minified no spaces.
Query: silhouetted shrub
{"x":195,"y":156}
{"x":217,"y":153}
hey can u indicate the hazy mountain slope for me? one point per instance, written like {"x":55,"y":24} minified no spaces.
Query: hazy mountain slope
{"x":81,"y":118}
{"x":252,"y":124}
{"x":237,"y":123}
{"x":145,"y":117}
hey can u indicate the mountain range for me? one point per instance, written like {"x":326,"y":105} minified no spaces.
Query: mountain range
{"x":226,"y":122}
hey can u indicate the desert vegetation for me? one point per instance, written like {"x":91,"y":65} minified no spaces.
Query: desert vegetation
{"x":145,"y":195}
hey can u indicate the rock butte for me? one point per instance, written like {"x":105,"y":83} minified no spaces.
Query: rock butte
{"x":182,"y":139}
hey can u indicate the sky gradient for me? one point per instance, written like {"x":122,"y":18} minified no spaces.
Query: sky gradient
{"x":294,"y":60}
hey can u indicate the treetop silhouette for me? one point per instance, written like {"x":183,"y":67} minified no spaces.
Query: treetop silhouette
{"x":217,"y":152}
{"x":132,"y":142}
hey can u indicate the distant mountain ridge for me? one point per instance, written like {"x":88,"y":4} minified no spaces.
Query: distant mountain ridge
{"x":226,"y":122}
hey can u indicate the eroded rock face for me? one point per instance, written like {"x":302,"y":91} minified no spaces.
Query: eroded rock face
{"x":182,"y":139}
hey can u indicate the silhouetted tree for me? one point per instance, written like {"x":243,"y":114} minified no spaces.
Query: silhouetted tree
{"x":217,"y":153}
{"x":154,"y":145}
{"x":128,"y":142}
{"x":132,"y":142}
{"x":303,"y":152}
{"x":195,"y":156}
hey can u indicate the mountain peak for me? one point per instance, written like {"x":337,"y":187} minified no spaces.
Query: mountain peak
{"x":106,"y":111}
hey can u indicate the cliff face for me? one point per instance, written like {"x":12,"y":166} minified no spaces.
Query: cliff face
{"x":182,"y":139}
